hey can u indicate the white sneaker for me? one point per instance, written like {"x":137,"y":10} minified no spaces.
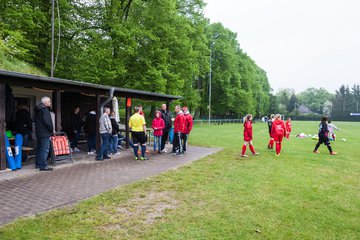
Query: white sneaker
{"x":91,"y":153}
{"x":164,"y":150}
{"x":117,"y":153}
{"x":76,"y":150}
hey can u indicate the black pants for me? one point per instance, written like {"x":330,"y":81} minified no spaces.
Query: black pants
{"x":184,"y":141}
{"x":165,"y":137}
{"x":177,"y":146}
{"x":323,"y":140}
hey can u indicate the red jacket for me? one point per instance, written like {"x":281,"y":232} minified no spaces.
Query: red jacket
{"x":179,"y":123}
{"x":278,"y":128}
{"x":288,"y":126}
{"x":158,"y":125}
{"x":188,"y":122}
{"x":248,"y":131}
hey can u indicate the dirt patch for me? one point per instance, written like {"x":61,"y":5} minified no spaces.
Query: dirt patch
{"x":149,"y":207}
{"x":143,"y":209}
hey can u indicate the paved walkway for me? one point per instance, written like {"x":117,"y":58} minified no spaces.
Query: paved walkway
{"x":40,"y":191}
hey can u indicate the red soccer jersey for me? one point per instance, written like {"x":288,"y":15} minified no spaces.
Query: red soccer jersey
{"x":179,"y":123}
{"x":248,"y":131}
{"x":288,"y":126}
{"x":188,"y":123}
{"x":278,"y":128}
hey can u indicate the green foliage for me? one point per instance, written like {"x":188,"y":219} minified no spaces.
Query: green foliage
{"x":346,"y":101}
{"x":314,"y":99}
{"x":160,"y":46}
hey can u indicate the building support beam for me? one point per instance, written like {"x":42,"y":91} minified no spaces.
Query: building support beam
{"x":2,"y":128}
{"x":127,"y":117}
{"x":98,"y":115}
{"x":57,"y":96}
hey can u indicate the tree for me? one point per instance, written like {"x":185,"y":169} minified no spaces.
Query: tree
{"x":292,"y":103}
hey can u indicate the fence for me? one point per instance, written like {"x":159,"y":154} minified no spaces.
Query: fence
{"x":217,"y":121}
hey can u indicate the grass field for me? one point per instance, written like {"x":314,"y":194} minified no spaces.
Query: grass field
{"x":299,"y":195}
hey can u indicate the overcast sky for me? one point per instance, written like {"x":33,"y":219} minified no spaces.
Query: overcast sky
{"x":299,"y":43}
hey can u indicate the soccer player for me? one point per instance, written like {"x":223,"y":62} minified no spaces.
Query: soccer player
{"x":270,"y":122}
{"x":324,"y":136}
{"x":278,"y":132}
{"x":331,"y":128}
{"x":248,"y":136}
{"x":288,"y":128}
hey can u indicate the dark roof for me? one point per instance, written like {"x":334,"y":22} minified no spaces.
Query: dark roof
{"x":29,"y":80}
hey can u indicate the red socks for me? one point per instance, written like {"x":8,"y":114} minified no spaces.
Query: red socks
{"x":278,"y":147}
{"x":271,"y":143}
{"x":243,"y":150}
{"x":252,"y":149}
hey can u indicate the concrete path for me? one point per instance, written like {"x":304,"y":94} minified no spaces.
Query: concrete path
{"x":37,"y":191}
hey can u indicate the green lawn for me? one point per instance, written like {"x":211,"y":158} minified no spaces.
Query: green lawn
{"x":299,"y":195}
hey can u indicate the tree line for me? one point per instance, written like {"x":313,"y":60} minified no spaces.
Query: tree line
{"x":163,"y":46}
{"x":319,"y":101}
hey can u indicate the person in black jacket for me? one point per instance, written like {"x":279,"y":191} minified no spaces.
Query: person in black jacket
{"x":76,"y":124}
{"x":113,"y":148}
{"x":165,"y":115}
{"x":324,"y":136}
{"x":90,"y":130}
{"x":43,"y":129}
{"x":23,"y":126}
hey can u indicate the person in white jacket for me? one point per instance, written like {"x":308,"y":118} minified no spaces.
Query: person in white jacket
{"x":331,"y":128}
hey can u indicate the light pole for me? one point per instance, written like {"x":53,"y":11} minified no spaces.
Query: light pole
{"x":210,"y":87}
{"x":52,"y":38}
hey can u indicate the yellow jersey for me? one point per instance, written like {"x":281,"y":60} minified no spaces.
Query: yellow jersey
{"x":137,"y":122}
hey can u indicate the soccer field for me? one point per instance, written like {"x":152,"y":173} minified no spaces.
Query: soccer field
{"x":299,"y":195}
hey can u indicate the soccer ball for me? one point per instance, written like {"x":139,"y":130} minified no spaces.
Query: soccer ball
{"x":344,"y":140}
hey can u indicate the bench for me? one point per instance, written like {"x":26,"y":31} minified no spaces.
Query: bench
{"x":27,"y":151}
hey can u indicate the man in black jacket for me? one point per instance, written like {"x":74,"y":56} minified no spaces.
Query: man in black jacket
{"x":76,"y":124}
{"x":90,"y":130}
{"x":165,"y":114}
{"x":43,"y":129}
{"x":114,"y":135}
{"x":23,"y":126}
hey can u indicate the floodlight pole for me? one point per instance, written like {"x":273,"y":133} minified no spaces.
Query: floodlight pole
{"x":210,"y":88}
{"x":52,"y":38}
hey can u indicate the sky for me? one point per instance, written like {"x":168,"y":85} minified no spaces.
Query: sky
{"x":299,"y":43}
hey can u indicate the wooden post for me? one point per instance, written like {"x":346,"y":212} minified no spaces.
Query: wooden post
{"x":127,"y":117}
{"x":57,"y":99}
{"x":168,"y":106}
{"x":98,"y":115}
{"x":2,"y":128}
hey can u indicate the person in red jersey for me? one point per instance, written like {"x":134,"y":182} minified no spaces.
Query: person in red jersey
{"x":278,"y":132}
{"x":270,"y":122}
{"x":179,"y":128}
{"x":158,"y":125}
{"x":288,"y":127}
{"x":248,"y":136}
{"x":188,"y":127}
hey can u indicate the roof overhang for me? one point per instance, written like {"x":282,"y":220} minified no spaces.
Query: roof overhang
{"x":59,"y":84}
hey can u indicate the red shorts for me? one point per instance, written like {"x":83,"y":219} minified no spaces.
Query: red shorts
{"x":247,"y":138}
{"x":278,"y":138}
